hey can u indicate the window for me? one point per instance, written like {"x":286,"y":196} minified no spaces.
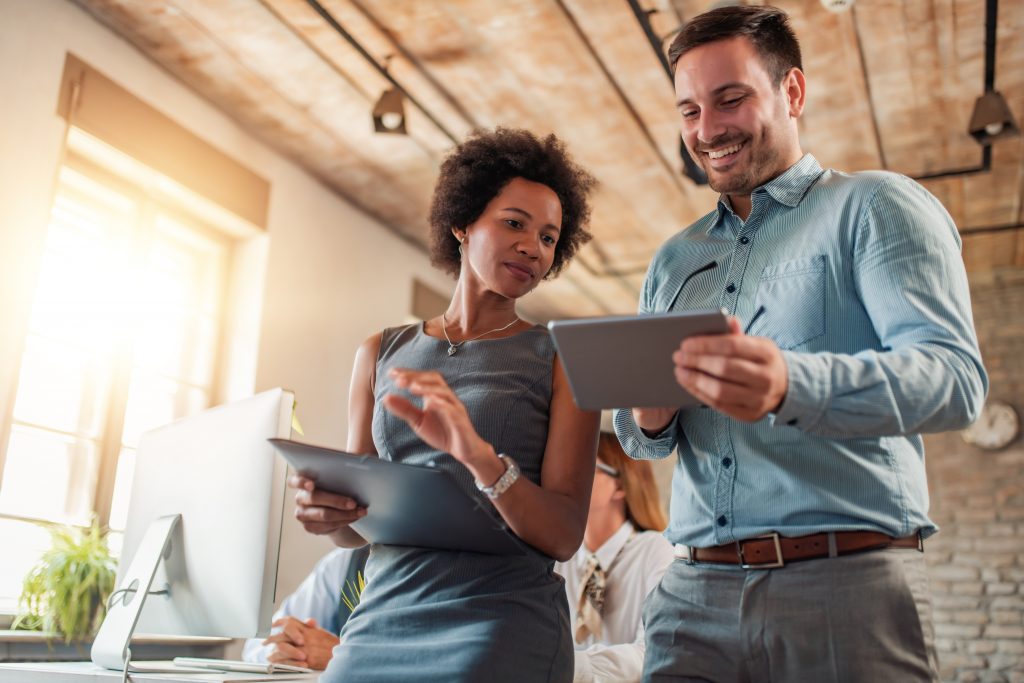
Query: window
{"x":146,"y":308}
{"x":126,"y":333}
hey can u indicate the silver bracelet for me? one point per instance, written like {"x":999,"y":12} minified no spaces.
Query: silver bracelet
{"x":508,"y":477}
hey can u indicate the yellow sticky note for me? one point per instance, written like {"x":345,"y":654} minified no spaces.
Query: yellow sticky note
{"x":295,"y":419}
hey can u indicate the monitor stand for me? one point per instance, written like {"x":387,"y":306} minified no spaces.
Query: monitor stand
{"x":111,"y":648}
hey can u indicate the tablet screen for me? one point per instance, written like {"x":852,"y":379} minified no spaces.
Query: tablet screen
{"x":626,"y":361}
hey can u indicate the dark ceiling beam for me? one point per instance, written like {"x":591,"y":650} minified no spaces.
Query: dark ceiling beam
{"x":991,"y":12}
{"x":350,"y":39}
{"x":991,"y":15}
{"x":417,"y":64}
{"x":690,"y":168}
{"x":990,"y":229}
{"x":643,"y":18}
{"x":283,"y":20}
{"x":634,"y":114}
{"x":605,"y":271}
{"x":984,"y":166}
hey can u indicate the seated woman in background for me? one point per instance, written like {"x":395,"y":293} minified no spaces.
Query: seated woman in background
{"x":622,"y":559}
{"x":480,"y":393}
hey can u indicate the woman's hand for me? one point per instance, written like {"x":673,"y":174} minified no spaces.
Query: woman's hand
{"x":442,"y":422}
{"x":323,"y":512}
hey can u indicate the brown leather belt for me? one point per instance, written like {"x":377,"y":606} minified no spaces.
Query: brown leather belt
{"x":771,"y":550}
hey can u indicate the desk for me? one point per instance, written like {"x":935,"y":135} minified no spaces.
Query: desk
{"x":87,"y":672}
{"x":34,"y":646}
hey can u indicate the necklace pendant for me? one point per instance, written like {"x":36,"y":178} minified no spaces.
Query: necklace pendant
{"x":452,"y":349}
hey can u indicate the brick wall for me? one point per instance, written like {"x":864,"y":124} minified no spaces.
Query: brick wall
{"x":977,"y":498}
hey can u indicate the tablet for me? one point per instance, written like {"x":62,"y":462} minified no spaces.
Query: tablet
{"x":626,"y":361}
{"x":406,"y":505}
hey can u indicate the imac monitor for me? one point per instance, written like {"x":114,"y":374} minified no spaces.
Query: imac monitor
{"x":213,"y":570}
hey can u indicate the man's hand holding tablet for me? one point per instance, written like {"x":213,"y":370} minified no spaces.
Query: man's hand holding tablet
{"x":626,"y":361}
{"x":656,"y":364}
{"x":742,"y":376}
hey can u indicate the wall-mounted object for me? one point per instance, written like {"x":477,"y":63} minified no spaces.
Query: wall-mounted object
{"x":996,"y":427}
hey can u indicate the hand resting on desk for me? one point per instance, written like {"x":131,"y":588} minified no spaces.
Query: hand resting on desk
{"x":300,"y":643}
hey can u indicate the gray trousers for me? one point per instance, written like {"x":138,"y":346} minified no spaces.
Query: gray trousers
{"x":863,"y":618}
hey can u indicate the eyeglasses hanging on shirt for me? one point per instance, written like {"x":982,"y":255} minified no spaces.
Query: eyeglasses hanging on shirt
{"x":757,"y":314}
{"x":702,"y":269}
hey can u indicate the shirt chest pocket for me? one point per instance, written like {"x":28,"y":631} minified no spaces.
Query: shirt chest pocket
{"x":793,"y":296}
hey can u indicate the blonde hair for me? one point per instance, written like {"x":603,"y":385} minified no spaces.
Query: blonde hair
{"x":643,"y":504}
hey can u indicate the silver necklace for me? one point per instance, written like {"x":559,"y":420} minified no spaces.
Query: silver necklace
{"x":453,"y":347}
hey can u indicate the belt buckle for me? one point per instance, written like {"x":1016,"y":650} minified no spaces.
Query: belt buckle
{"x":776,"y":564}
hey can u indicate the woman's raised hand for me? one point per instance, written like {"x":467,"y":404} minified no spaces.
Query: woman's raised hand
{"x":442,"y":422}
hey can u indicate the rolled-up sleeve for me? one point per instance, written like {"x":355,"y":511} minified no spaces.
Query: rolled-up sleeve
{"x":638,"y":445}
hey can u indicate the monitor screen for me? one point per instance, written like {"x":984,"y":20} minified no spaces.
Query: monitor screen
{"x":218,"y":471}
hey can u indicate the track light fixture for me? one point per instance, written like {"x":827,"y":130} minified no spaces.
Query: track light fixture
{"x":992,"y":119}
{"x":389,"y":112}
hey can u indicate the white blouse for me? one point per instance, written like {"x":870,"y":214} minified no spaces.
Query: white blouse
{"x":634,"y":563}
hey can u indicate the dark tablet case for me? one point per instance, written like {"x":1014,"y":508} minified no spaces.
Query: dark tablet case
{"x":407,"y":505}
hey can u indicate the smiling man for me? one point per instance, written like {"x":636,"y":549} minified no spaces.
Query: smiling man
{"x":800,"y":502}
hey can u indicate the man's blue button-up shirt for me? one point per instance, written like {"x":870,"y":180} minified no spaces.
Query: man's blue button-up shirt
{"x":863,"y":288}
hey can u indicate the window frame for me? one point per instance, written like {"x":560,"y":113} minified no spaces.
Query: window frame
{"x":110,"y":442}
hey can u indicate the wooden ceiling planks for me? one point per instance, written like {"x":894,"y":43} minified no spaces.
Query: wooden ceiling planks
{"x":837,"y":97}
{"x":228,"y":70}
{"x":619,"y":44}
{"x":385,"y":50}
{"x":585,"y":70}
{"x":311,"y":85}
{"x":994,"y":197}
{"x":925,"y":70}
{"x":533,"y":69}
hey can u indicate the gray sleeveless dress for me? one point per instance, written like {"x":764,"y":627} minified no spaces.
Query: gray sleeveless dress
{"x":435,"y":615}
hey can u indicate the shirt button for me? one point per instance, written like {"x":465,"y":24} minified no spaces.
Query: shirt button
{"x":744,"y":240}
{"x":731,"y":288}
{"x":792,"y":422}
{"x":726,"y":462}
{"x":722,"y":521}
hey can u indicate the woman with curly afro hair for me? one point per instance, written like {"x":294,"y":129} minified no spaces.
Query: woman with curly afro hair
{"x":479,"y":393}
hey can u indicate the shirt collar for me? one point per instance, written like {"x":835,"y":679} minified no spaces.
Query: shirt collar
{"x":610,"y":549}
{"x":788,"y":188}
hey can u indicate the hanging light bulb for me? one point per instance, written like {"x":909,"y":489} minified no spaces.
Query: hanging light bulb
{"x":992,"y":119}
{"x":389,"y":112}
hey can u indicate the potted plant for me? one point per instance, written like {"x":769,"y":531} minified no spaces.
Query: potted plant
{"x":66,"y":592}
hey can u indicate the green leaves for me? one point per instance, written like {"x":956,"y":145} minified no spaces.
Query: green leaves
{"x":66,"y":591}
